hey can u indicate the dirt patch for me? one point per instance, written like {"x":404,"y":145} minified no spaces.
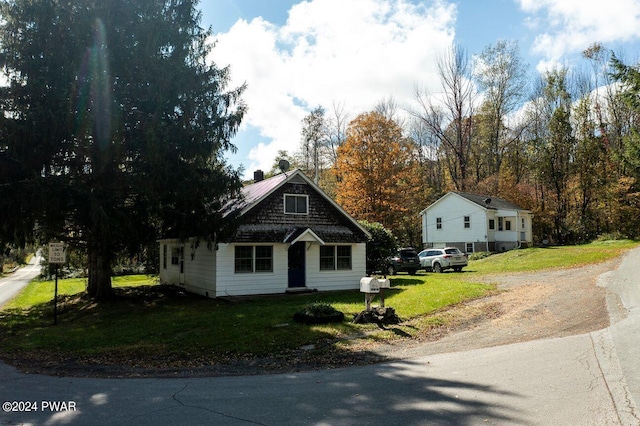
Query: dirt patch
{"x":546,"y":304}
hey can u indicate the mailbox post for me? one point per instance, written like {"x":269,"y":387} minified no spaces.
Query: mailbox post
{"x":371,"y":286}
{"x":57,"y":255}
{"x":383,"y":283}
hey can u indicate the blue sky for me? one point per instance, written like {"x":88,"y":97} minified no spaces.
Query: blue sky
{"x":296,"y":55}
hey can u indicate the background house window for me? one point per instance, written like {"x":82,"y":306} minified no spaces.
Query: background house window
{"x":469,"y":248}
{"x":492,"y":224}
{"x":467,"y":222}
{"x":335,"y":258}
{"x":507,"y":225}
{"x":438,"y":223}
{"x":296,"y":204}
{"x":253,"y":259}
{"x":500,"y":221}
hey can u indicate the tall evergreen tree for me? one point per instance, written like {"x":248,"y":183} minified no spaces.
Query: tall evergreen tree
{"x":114,"y":125}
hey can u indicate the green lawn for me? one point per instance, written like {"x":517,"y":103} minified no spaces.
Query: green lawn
{"x":161,"y":326}
{"x":538,"y":258}
{"x":39,"y":292}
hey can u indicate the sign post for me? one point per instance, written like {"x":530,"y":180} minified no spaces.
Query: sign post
{"x":57,"y":255}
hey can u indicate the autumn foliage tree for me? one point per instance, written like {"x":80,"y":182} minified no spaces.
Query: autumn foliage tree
{"x":378,"y":175}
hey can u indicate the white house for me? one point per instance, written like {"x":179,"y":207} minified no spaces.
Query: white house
{"x":290,"y":236}
{"x":475,"y":222}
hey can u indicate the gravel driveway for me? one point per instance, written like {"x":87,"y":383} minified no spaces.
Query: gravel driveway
{"x":544,"y":304}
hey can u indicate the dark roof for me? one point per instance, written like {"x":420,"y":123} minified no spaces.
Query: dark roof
{"x":254,"y":193}
{"x":495,"y":203}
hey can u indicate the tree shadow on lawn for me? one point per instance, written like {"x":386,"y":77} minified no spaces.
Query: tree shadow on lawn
{"x":401,"y":281}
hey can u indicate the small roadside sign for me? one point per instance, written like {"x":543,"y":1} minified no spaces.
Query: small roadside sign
{"x":57,"y":253}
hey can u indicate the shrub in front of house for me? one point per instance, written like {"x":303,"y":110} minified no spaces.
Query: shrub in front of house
{"x":479,"y":255}
{"x":318,"y":313}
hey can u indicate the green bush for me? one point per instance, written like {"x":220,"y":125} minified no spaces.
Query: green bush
{"x":479,"y":255}
{"x":381,"y":246}
{"x":318,"y":313}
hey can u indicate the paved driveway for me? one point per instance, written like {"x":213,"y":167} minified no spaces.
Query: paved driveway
{"x":12,"y":284}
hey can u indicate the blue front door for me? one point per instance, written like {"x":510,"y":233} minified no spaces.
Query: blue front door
{"x":297,"y":265}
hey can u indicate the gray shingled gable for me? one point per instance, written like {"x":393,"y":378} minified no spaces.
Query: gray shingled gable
{"x":496,"y":203}
{"x":259,"y":221}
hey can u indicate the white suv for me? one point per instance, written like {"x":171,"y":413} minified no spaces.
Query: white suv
{"x":437,"y":260}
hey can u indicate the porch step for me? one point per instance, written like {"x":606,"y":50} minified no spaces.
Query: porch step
{"x":295,"y":290}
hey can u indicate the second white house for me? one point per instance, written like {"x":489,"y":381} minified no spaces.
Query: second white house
{"x":475,"y":222}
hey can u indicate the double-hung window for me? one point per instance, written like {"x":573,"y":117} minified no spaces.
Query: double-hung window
{"x":250,"y":259}
{"x":296,"y":204}
{"x":467,"y":222}
{"x":176,"y":255}
{"x":335,"y":258}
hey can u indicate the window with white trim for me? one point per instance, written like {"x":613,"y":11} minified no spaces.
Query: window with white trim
{"x":296,"y":204}
{"x":176,"y":255}
{"x":438,"y":223}
{"x":467,"y":222}
{"x":250,"y":259}
{"x":335,"y":258}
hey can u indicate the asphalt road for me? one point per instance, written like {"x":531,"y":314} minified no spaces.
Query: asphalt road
{"x":11,"y":285}
{"x":589,"y":379}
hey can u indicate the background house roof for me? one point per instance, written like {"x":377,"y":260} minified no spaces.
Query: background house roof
{"x":496,"y":203}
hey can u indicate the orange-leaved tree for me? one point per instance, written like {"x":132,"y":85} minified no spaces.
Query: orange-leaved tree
{"x":378,"y":176}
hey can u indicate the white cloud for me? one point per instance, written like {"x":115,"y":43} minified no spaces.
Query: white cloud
{"x":355,"y":52}
{"x":570,"y":26}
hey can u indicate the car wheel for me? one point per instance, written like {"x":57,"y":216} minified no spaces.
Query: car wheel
{"x":458,"y":268}
{"x":413,"y":271}
{"x":391,"y":270}
{"x":437,"y":268}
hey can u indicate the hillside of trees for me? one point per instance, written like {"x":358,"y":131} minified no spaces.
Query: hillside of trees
{"x":563,"y":144}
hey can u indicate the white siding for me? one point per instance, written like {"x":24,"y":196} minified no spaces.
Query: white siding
{"x":199,"y":268}
{"x":230,"y":283}
{"x":452,"y":209}
{"x":170,"y":274}
{"x":336,"y":280}
{"x":212,"y":272}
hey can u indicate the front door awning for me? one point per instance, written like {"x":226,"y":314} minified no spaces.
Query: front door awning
{"x":303,"y":234}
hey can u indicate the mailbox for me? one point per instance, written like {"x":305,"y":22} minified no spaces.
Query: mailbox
{"x":384,"y":283}
{"x":369,"y":285}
